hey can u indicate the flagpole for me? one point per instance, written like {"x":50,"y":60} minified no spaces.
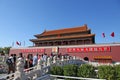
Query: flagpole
{"x":12,"y":44}
{"x":24,"y":43}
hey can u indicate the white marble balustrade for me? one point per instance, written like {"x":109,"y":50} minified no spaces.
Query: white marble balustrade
{"x":41,"y":69}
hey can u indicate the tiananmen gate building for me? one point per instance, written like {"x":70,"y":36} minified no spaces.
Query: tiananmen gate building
{"x":76,"y":41}
{"x":68,"y":36}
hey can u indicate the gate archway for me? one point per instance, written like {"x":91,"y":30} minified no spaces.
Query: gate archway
{"x":86,"y":58}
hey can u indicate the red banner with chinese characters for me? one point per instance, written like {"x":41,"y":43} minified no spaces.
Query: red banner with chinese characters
{"x":33,"y":50}
{"x":89,"y":49}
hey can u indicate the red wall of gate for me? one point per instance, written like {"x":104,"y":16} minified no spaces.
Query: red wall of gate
{"x":112,"y":51}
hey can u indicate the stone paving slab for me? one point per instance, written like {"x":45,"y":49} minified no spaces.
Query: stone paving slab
{"x":2,"y":75}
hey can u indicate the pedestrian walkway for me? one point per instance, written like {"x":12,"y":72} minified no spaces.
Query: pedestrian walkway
{"x":2,"y":76}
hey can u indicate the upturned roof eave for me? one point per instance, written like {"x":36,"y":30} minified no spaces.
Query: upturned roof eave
{"x":42,"y":34}
{"x":59,"y":38}
{"x":63,"y":31}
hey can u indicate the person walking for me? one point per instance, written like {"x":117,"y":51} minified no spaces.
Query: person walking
{"x":35,"y":60}
{"x":10,"y":63}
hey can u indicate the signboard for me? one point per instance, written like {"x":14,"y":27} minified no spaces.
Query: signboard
{"x":102,"y":57}
{"x":89,"y":49}
{"x":33,"y":50}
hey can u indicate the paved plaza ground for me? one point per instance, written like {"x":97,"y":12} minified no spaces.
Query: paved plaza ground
{"x":2,"y":75}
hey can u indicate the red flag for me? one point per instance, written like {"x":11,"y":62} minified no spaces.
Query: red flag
{"x":103,"y":34}
{"x":18,"y":43}
{"x":112,"y":34}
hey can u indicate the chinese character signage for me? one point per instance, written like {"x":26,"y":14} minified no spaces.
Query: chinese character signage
{"x":33,"y":50}
{"x":89,"y":49}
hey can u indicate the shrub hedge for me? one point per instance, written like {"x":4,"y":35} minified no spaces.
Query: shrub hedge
{"x":117,"y":72}
{"x":88,"y":71}
{"x":70,"y":70}
{"x":106,"y":72}
{"x":56,"y":70}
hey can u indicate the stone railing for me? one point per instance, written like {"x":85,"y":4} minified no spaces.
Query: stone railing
{"x":55,"y":77}
{"x":41,"y":69}
{"x":59,"y":77}
{"x":96,"y":64}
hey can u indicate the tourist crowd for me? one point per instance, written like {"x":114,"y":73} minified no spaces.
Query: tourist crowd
{"x":28,"y":60}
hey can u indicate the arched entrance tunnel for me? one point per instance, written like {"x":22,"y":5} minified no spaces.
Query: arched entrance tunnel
{"x":86,"y":58}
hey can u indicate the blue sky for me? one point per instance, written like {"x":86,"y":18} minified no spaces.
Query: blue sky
{"x":21,"y":19}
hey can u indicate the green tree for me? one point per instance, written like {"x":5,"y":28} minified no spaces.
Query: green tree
{"x":6,"y":50}
{"x":106,"y":72}
{"x":1,"y":51}
{"x":86,"y":70}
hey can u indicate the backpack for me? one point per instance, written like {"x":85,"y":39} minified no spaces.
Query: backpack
{"x":9,"y":61}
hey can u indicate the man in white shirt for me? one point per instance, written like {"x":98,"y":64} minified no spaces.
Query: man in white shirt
{"x":35,"y":60}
